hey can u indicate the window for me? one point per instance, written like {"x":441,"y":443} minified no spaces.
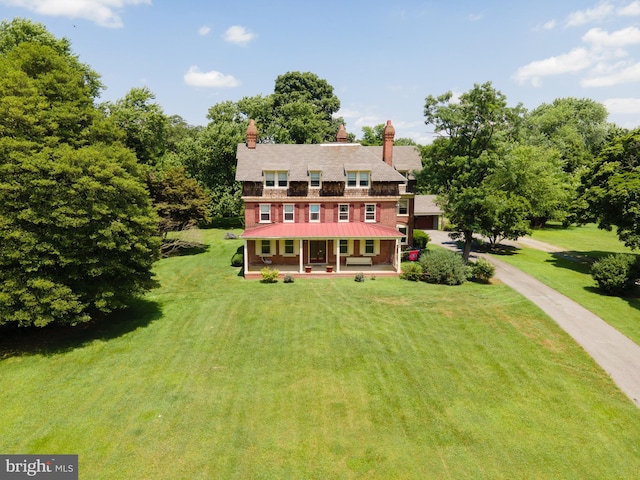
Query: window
{"x":370,"y":212}
{"x":364,"y":179}
{"x":314,"y":213}
{"x":352,"y":179}
{"x":265,"y":247}
{"x":369,"y":247}
{"x":344,"y":247}
{"x":403,"y":207}
{"x":343,"y":212}
{"x":403,"y":230}
{"x":275,"y":178}
{"x":265,"y":213}
{"x":282,"y":179}
{"x":358,"y":179}
{"x":269,"y":179}
{"x":289,"y":213}
{"x":288,"y":247}
{"x":314,"y":179}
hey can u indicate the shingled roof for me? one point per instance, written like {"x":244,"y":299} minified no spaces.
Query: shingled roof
{"x":333,"y":160}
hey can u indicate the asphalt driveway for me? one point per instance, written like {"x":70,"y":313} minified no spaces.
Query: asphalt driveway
{"x":613,"y":351}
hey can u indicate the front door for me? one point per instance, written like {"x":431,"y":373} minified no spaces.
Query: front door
{"x":317,"y":251}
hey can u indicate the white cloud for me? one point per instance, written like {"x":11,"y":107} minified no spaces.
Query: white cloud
{"x":623,"y":105}
{"x":238,"y":35}
{"x":476,"y":17}
{"x":105,"y":13}
{"x":204,"y":30}
{"x":631,"y":10}
{"x":196,"y":78}
{"x":576,"y":60}
{"x":550,"y":25}
{"x":629,"y":74}
{"x":599,"y":12}
{"x":620,"y":38}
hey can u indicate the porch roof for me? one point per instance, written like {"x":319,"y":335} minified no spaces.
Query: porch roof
{"x":321,"y":230}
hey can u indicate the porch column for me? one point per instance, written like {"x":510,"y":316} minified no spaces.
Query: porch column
{"x":245,"y":258}
{"x":337,"y":243}
{"x":398,"y":256}
{"x":301,"y":250}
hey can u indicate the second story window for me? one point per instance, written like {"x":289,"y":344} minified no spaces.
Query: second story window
{"x":314,"y":179}
{"x":370,"y":212}
{"x":343,"y":212}
{"x":314,"y":213}
{"x":403,"y":207}
{"x":265,"y":213}
{"x":358,"y":179}
{"x":279,"y":179}
{"x":289,"y":213}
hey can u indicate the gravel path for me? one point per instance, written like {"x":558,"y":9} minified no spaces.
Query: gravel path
{"x":613,"y":351}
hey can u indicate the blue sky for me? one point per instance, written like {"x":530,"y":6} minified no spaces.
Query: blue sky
{"x":382,"y":58}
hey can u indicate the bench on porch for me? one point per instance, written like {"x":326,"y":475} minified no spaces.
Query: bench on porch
{"x":359,"y":261}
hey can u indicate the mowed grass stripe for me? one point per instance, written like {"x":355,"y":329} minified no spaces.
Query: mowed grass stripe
{"x":323,"y":379}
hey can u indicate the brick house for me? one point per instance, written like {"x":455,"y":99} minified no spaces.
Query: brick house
{"x":338,"y":207}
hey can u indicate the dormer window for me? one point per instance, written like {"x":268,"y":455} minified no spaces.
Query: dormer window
{"x":314,"y":179}
{"x":276,"y":179}
{"x":358,"y":179}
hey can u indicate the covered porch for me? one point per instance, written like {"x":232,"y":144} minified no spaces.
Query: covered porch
{"x":322,"y":249}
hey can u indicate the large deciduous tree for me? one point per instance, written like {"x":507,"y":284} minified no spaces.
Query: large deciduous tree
{"x":77,"y":228}
{"x":145,"y":125}
{"x":610,"y":190}
{"x":460,"y":164}
{"x":181,"y":202}
{"x":303,"y":109}
{"x":577,"y":128}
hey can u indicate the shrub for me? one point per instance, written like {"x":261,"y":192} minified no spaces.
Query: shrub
{"x":237,"y":260}
{"x":420,"y":239}
{"x":288,"y":278}
{"x":359,"y":277}
{"x":443,"y":266}
{"x":616,"y":274}
{"x":411,"y":271}
{"x":483,"y":270}
{"x":269,"y":275}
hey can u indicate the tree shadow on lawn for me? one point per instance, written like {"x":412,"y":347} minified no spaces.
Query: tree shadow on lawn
{"x":577,"y":261}
{"x":177,"y":248}
{"x":632,"y":298}
{"x":499,"y":249}
{"x":55,"y":339}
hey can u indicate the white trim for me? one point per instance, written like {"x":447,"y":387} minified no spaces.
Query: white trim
{"x":284,"y":213}
{"x":311,"y":220}
{"x":268,"y":205}
{"x":348,"y":208}
{"x":358,"y":173}
{"x":375,"y":207}
{"x":403,"y":200}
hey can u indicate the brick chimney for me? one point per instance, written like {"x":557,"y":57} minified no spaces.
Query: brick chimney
{"x":387,"y":146}
{"x":341,"y":137}
{"x":252,"y":135}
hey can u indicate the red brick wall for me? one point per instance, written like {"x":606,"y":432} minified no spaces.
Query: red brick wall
{"x":386,"y":213}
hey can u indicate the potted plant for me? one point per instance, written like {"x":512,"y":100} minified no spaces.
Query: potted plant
{"x":307,"y":268}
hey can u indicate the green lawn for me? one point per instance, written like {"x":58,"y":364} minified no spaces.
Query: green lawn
{"x":214,"y":376}
{"x":570,"y":273}
{"x":588,"y":239}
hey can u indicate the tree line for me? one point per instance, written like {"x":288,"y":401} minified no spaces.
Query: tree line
{"x":89,"y":190}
